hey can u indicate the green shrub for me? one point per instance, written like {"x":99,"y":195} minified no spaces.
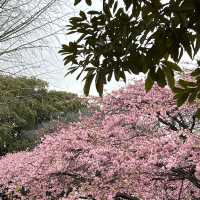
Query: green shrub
{"x":26,"y":103}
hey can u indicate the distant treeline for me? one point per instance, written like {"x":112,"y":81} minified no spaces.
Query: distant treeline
{"x":25,"y":103}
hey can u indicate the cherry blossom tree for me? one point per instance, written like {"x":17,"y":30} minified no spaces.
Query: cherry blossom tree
{"x":138,"y":146}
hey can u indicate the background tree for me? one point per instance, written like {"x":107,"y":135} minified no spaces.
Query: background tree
{"x":148,"y":36}
{"x":25,"y":103}
{"x":25,"y":29}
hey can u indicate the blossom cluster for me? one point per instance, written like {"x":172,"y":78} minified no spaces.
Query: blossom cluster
{"x":123,"y":148}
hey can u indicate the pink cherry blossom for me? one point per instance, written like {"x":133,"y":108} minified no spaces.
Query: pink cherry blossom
{"x":138,"y":144}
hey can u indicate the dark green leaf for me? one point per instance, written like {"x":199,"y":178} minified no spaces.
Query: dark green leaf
{"x":123,"y":76}
{"x":196,"y":72}
{"x":106,"y":10}
{"x":75,"y":19}
{"x":71,"y":71}
{"x":110,"y":75}
{"x":89,"y":2}
{"x":160,"y":78}
{"x":100,"y":83}
{"x":185,"y":41}
{"x":181,"y":98}
{"x":178,"y":90}
{"x":172,"y":66}
{"x":115,"y":6}
{"x":87,"y":85}
{"x":71,"y":32}
{"x":186,"y":84}
{"x":180,"y":54}
{"x":128,"y":3}
{"x":170,"y":77}
{"x":193,"y":96}
{"x":148,"y":83}
{"x":76,"y":2}
{"x":197,"y":46}
{"x":68,"y":59}
{"x":83,"y":15}
{"x":110,"y":3}
{"x":117,"y":74}
{"x":94,"y":12}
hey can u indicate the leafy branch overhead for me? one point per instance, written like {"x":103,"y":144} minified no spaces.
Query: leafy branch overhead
{"x":147,"y":36}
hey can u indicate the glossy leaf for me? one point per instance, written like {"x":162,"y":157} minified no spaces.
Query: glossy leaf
{"x":181,"y":98}
{"x":89,"y":2}
{"x":88,"y":82}
{"x":172,"y":65}
{"x":148,"y":83}
{"x":76,"y":2}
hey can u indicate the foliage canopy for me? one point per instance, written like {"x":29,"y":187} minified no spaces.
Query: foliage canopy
{"x":24,"y":104}
{"x":148,"y":36}
{"x":137,"y":146}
